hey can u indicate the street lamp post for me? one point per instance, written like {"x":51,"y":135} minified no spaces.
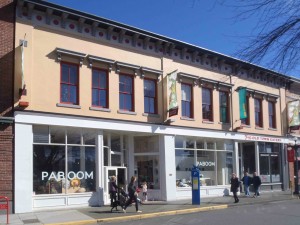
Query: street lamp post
{"x":297,"y":177}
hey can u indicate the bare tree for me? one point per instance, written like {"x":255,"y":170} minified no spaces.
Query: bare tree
{"x":277,"y":32}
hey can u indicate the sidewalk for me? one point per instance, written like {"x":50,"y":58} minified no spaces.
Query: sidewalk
{"x":94,"y":215}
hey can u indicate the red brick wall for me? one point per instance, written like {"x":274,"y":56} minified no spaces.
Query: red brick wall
{"x":7,"y":28}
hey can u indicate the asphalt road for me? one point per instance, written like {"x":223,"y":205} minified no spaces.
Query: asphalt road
{"x":274,"y":213}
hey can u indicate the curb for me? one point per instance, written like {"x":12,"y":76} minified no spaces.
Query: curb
{"x":158,"y":214}
{"x":142,"y":216}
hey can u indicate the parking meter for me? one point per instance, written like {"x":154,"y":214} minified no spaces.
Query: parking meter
{"x":195,"y":186}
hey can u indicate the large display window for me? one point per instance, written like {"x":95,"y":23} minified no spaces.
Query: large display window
{"x":63,"y":160}
{"x":146,"y":161}
{"x":212,"y":157}
{"x":269,"y":162}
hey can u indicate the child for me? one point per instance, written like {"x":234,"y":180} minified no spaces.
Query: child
{"x":144,"y":187}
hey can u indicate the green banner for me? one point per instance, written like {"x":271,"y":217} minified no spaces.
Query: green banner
{"x":243,"y":103}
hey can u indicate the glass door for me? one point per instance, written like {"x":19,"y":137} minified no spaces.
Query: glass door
{"x":120,"y":173}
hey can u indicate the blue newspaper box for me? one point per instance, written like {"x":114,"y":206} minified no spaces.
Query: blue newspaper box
{"x":195,"y":186}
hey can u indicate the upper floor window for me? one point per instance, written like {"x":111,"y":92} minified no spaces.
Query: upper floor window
{"x":186,"y":101}
{"x":150,"y":99}
{"x":207,"y":107}
{"x":246,"y":121}
{"x":69,"y":84}
{"x":258,"y":112}
{"x":224,"y":106}
{"x":126,"y":93}
{"x":99,"y":88}
{"x":272,"y":114}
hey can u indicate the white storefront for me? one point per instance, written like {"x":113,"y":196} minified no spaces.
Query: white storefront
{"x":65,"y":161}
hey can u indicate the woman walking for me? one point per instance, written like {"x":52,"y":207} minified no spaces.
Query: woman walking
{"x":234,"y":187}
{"x":132,"y":195}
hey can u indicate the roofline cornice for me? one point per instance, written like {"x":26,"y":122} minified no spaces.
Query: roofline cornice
{"x":167,"y":41}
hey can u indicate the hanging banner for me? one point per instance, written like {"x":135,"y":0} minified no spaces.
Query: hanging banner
{"x":243,"y":103}
{"x":173,"y":104}
{"x":293,"y":113}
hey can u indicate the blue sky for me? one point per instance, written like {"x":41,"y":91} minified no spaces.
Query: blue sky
{"x":199,"y":22}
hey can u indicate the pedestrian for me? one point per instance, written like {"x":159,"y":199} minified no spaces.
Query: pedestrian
{"x":145,"y":190}
{"x":132,"y":193}
{"x":246,"y":181}
{"x":256,"y":184}
{"x":113,"y":189}
{"x":235,"y":183}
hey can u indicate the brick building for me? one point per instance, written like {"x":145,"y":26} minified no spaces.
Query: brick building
{"x":7,"y":27}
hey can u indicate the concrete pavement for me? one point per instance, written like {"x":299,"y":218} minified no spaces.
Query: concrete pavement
{"x":98,"y":215}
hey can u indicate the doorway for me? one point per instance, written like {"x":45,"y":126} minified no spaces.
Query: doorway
{"x":120,"y":173}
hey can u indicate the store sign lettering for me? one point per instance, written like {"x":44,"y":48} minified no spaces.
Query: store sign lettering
{"x":207,"y":163}
{"x":71,"y":175}
{"x":259,"y":138}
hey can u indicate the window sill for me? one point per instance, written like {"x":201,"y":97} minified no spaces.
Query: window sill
{"x":207,"y":121}
{"x":126,"y":112}
{"x":273,"y":129}
{"x":245,"y":125}
{"x":187,"y":118}
{"x":259,"y":128}
{"x":224,"y":123}
{"x":100,"y":109}
{"x":68,"y":106}
{"x":151,"y":115}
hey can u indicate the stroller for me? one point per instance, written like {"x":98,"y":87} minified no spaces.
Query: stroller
{"x":122,"y":197}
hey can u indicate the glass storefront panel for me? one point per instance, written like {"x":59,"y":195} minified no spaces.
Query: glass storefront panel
{"x":147,"y":170}
{"x":58,"y":135}
{"x":275,"y":168}
{"x":59,"y":168}
{"x":48,"y":169}
{"x":146,"y":160}
{"x":116,"y":160}
{"x":264,"y":164}
{"x":81,"y":169}
{"x":214,"y":162}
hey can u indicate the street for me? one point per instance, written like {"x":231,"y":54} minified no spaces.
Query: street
{"x":275,"y":213}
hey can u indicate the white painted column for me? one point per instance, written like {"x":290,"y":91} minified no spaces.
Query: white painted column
{"x":257,"y":168}
{"x":130,"y":158}
{"x":236,"y":168}
{"x":23,"y":168}
{"x":167,"y":167}
{"x":99,"y":167}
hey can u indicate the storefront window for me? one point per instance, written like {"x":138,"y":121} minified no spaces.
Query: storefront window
{"x":147,"y":169}
{"x":269,"y":162}
{"x":81,"y":169}
{"x":48,"y":162}
{"x":214,"y":162}
{"x":62,"y":168}
{"x":146,"y":161}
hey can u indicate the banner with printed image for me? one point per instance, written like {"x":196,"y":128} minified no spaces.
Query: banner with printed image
{"x":293,"y":109}
{"x":173,"y":104}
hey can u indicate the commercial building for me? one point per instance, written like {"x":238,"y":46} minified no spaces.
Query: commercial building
{"x":95,"y":98}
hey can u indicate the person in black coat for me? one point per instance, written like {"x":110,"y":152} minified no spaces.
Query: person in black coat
{"x":132,"y":193}
{"x":256,"y":184}
{"x":235,"y":184}
{"x":113,"y":189}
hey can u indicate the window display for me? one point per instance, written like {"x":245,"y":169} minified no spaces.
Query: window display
{"x":146,"y":161}
{"x":214,"y":160}
{"x":63,"y":168}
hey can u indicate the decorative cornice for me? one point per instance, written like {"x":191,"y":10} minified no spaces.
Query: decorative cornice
{"x":92,"y":58}
{"x":254,"y":93}
{"x":60,"y":52}
{"x":168,"y":44}
{"x":135,"y":68}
